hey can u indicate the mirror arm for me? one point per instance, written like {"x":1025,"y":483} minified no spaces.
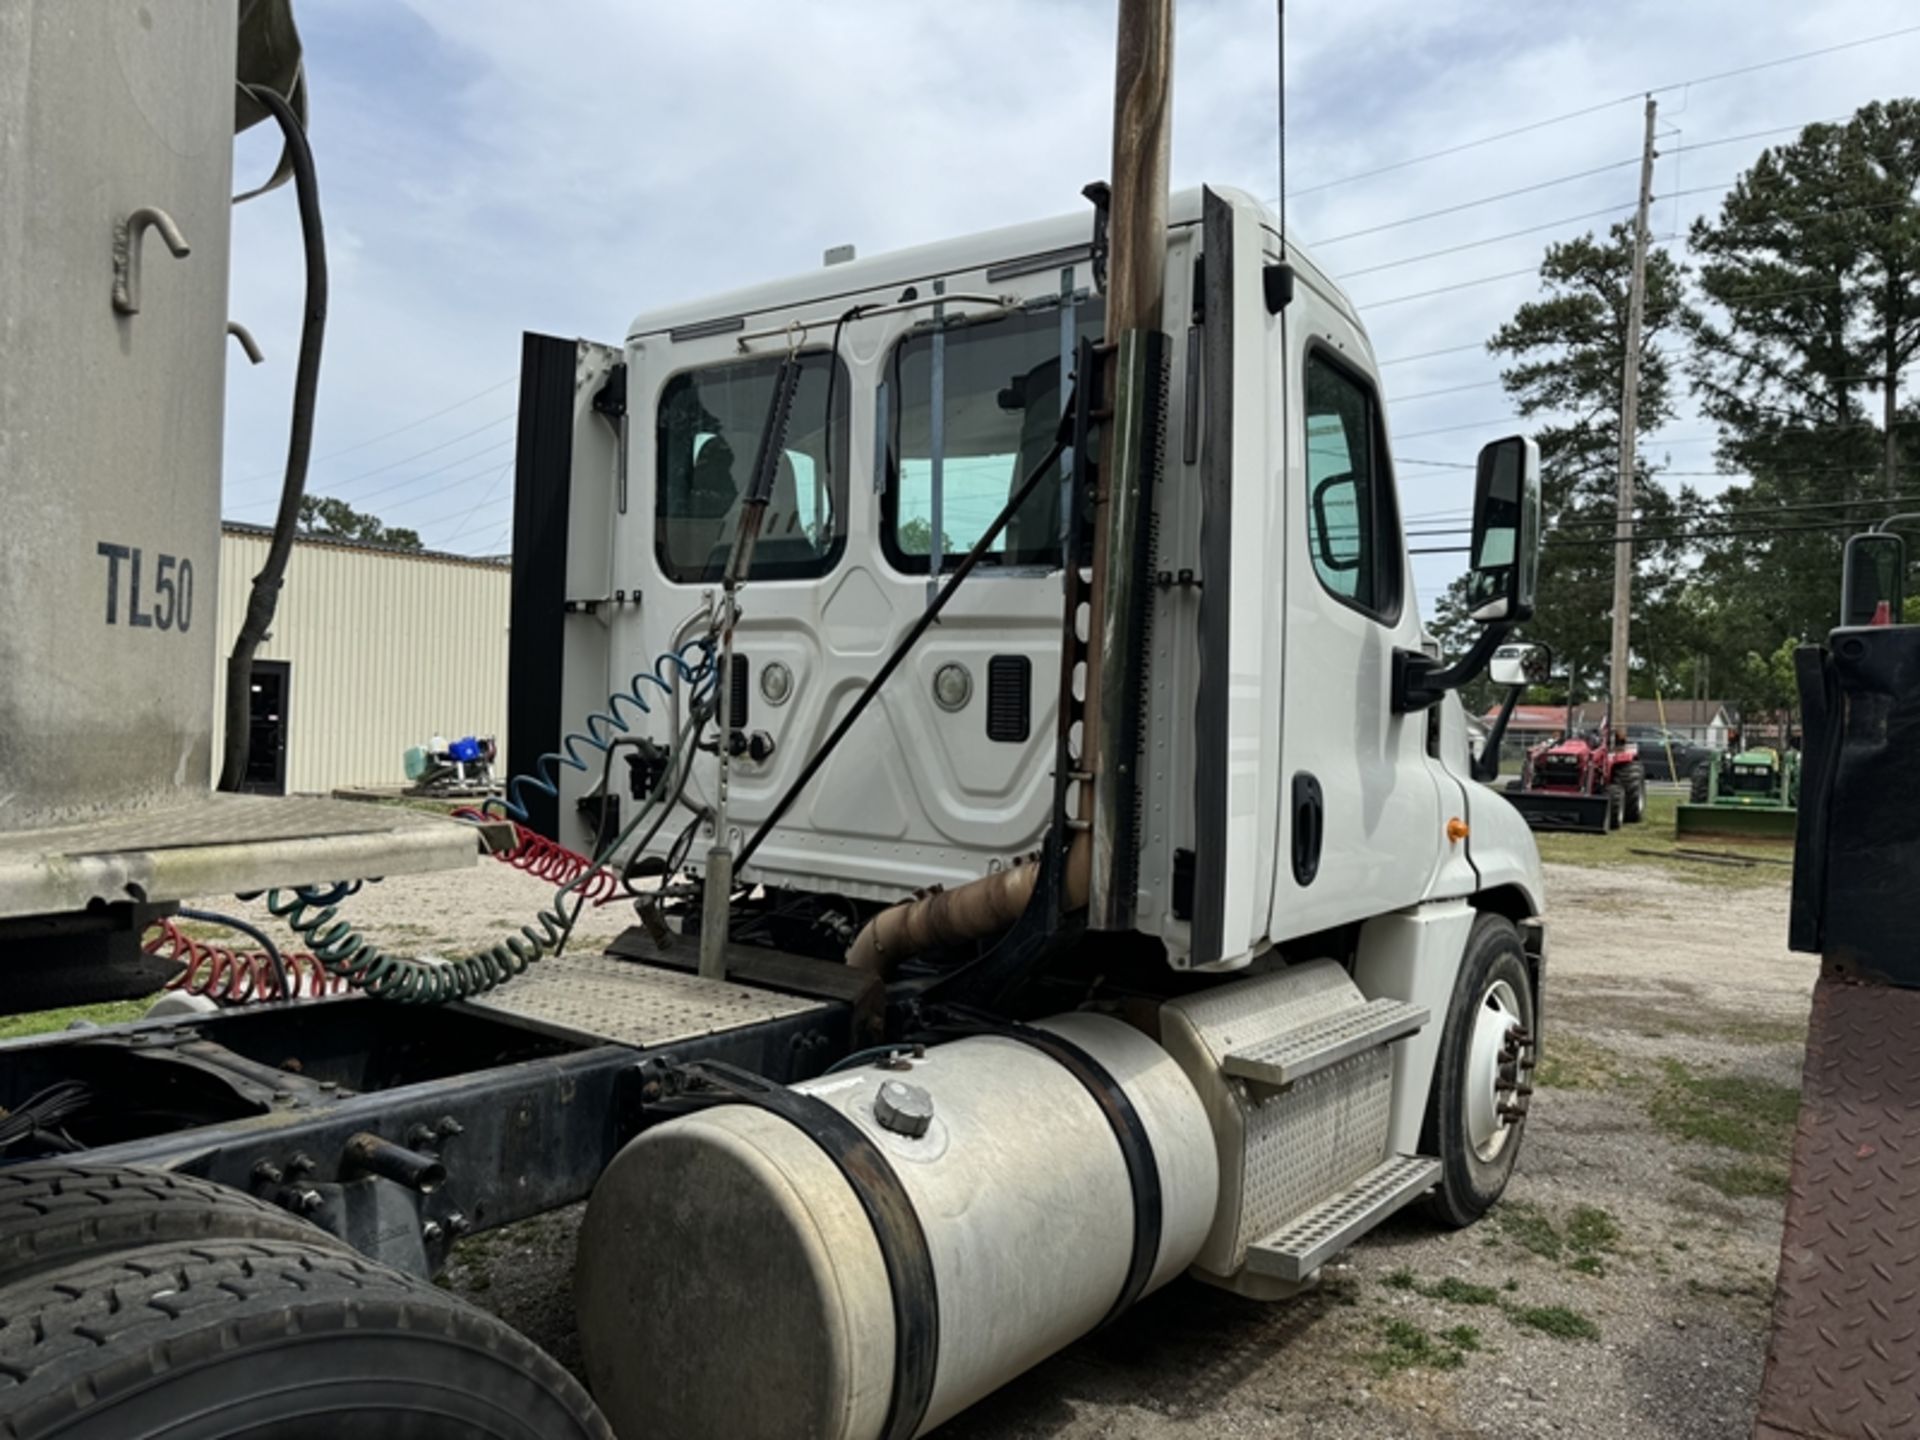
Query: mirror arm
{"x":1486,"y":769}
{"x":1419,"y":680}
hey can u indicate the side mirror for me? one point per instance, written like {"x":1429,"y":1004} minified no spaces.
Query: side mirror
{"x":1336,"y":516}
{"x":1506,"y":531}
{"x":1515,"y":667}
{"x":1873,"y":579}
{"x":1520,"y":665}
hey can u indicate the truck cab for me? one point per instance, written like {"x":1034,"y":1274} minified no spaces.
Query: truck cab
{"x":1281,"y":793}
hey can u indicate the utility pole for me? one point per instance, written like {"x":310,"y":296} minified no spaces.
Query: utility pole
{"x":1137,"y":262}
{"x":1629,"y":424}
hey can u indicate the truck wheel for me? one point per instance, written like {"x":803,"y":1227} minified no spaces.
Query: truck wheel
{"x":1483,"y":1066}
{"x":1616,"y":807}
{"x":56,"y":1214}
{"x":1700,"y":784}
{"x":237,"y":1338}
{"x":1633,"y":780}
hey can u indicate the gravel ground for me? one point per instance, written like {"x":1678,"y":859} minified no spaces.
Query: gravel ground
{"x":1620,"y":1291}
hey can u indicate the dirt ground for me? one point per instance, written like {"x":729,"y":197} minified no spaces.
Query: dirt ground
{"x":1620,"y":1291}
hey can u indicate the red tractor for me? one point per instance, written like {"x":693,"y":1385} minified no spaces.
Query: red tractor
{"x":1582,"y":782}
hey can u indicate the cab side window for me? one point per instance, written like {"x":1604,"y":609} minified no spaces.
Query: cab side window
{"x":1352,"y":522}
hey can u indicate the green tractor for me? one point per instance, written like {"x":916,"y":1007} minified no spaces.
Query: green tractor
{"x":1749,"y":792}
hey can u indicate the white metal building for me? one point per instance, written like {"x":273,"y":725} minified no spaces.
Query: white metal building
{"x":372,"y":650}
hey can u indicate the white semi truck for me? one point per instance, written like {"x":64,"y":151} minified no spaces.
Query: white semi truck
{"x":994,"y":674}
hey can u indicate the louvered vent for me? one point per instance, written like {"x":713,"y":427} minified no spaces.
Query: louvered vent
{"x":1009,"y":698}
{"x":737,"y":694}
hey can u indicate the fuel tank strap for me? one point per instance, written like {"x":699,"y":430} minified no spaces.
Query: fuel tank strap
{"x":1136,"y":1148}
{"x":903,"y":1243}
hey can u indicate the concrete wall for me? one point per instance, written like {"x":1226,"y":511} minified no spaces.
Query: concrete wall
{"x":384,"y":649}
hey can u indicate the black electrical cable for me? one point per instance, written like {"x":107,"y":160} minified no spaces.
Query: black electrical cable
{"x":264,"y":598}
{"x":900,"y":651}
{"x":258,"y":936}
{"x":833,"y":374}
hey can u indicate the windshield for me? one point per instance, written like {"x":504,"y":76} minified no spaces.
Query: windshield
{"x":708,"y":433}
{"x":997,"y":399}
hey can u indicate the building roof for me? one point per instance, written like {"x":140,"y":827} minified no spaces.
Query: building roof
{"x":397,"y":552}
{"x":1678,"y":714}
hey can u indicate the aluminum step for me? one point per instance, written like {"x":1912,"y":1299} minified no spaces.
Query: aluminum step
{"x":1281,"y":1059}
{"x":1303,"y":1245}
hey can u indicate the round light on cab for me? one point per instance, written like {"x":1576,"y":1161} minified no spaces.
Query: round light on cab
{"x":952,"y":686}
{"x":776,"y":683}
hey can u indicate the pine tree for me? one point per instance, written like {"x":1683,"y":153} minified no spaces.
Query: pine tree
{"x":1565,"y":354}
{"x":1812,"y":274}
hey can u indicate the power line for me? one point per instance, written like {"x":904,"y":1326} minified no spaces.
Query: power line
{"x":1473,"y":204}
{"x":389,"y":434}
{"x":1586,"y":110}
{"x":400,"y":484}
{"x":1447,"y":289}
{"x":1489,"y":240}
{"x":1431,"y":354}
{"x":1447,"y":390}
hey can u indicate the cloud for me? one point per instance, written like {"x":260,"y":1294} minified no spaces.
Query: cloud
{"x":491,"y":167}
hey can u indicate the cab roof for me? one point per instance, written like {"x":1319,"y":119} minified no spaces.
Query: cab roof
{"x":1013,"y":250}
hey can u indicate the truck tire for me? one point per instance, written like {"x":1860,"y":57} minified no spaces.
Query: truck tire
{"x":1701,"y":784}
{"x":1616,"y":806}
{"x":54,"y":1214}
{"x":1633,"y":779}
{"x":1492,"y":997}
{"x":257,"y":1338}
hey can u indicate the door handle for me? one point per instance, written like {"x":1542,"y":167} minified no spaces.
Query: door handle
{"x":1309,"y":827}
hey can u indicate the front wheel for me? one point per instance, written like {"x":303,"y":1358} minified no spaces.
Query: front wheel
{"x":1633,"y":779}
{"x":1616,"y":806}
{"x":1477,"y":1106}
{"x":1701,"y":784}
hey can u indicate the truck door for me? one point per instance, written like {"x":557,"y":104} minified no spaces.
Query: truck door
{"x":1361,"y":802}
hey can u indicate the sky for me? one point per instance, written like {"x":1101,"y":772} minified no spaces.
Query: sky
{"x":489,"y":167}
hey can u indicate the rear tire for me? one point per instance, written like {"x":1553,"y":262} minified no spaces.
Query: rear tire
{"x":1701,"y":783}
{"x":1633,"y":780}
{"x":1492,"y":996}
{"x":55,"y":1214}
{"x":270,"y":1338}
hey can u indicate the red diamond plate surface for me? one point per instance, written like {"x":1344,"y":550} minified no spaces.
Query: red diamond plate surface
{"x":1844,"y":1359}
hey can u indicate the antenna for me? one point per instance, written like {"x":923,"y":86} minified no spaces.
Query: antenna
{"x":1280,"y":81}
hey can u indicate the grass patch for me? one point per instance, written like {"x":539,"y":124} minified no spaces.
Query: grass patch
{"x":112,"y":1012}
{"x":1735,"y":1112}
{"x":1555,"y":1320}
{"x":1743,"y":1180}
{"x":1655,"y":833}
{"x":1589,"y":1265}
{"x":1462,"y":1337}
{"x":1456,"y":1291}
{"x":1529,"y":1228}
{"x":1401,"y":1279}
{"x":1573,"y":1063}
{"x":1406,"y":1346}
{"x":1591,"y":1230}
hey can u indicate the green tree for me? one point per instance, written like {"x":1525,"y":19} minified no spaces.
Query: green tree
{"x":324,"y":515}
{"x":1811,"y":274}
{"x":1564,"y":355}
{"x":916,"y":538}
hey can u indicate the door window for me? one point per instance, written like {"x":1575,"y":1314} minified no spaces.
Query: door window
{"x":708,"y":433}
{"x":997,"y":396}
{"x":1352,"y":523}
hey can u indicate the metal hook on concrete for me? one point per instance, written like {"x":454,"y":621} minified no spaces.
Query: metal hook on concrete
{"x":127,"y":237}
{"x":247,"y":342}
